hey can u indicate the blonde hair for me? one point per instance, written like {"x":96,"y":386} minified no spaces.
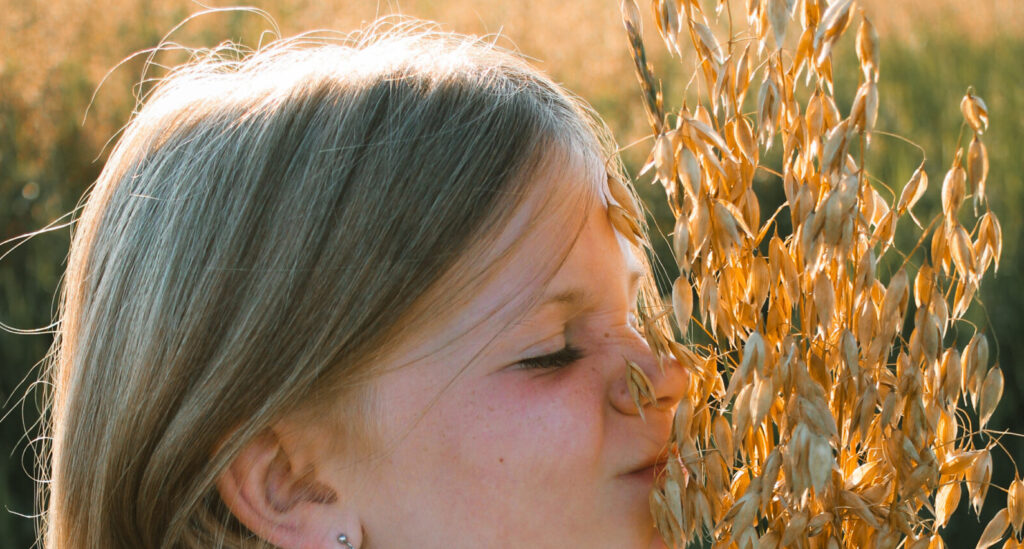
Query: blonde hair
{"x":266,"y":223}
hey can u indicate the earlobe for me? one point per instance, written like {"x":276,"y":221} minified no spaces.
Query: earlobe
{"x":281,"y":500}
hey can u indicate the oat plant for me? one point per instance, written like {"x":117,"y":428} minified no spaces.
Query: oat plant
{"x":830,"y":408}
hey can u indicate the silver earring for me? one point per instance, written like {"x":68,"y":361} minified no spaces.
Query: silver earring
{"x":343,"y":539}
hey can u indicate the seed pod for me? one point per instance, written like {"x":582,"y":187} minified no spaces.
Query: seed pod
{"x":708,"y":43}
{"x":759,"y":281}
{"x":667,"y":19}
{"x":744,"y":138}
{"x":951,"y":375}
{"x":913,"y":190}
{"x":865,"y":274}
{"x":659,"y":510}
{"x":626,"y":225}
{"x":674,"y":501}
{"x":664,"y":158}
{"x":979,"y":475}
{"x":989,"y":245}
{"x":820,"y":462}
{"x":701,"y":509}
{"x":995,"y":529}
{"x":974,"y":111}
{"x":689,"y":173}
{"x":961,"y":462}
{"x":947,"y":499}
{"x":824,"y":300}
{"x":815,"y":525}
{"x":815,"y":116}
{"x":884,"y":233}
{"x":682,"y":302}
{"x":1015,"y":504}
{"x":991,"y":393}
{"x":726,"y":225}
{"x":896,"y":296}
{"x":700,"y":227}
{"x":946,"y":431}
{"x":681,"y":243}
{"x":962,"y":253}
{"x":923,"y":282}
{"x":890,"y":409}
{"x":741,"y":412}
{"x":717,"y":471}
{"x":689,"y":455}
{"x":989,"y":226}
{"x":640,"y":387}
{"x":683,"y":420}
{"x":631,"y":14}
{"x":864,"y":410}
{"x":753,"y":354}
{"x":954,"y":188}
{"x":850,"y":353}
{"x":722,"y":432}
{"x":867,"y":49}
{"x":931,"y":339}
{"x":770,"y":540}
{"x":709,"y":302}
{"x":981,"y":350}
{"x":969,"y":361}
{"x":795,"y":528}
{"x":858,"y":112}
{"x":762,"y":399}
{"x":856,"y":505}
{"x":939,"y":248}
{"x":834,"y":150}
{"x":767,"y":111}
{"x":623,"y":197}
{"x":769,"y":475}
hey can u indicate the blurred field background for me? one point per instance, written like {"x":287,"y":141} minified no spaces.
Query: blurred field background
{"x":53,"y":56}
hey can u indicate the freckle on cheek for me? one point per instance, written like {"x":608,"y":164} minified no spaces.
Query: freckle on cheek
{"x":606,"y":335}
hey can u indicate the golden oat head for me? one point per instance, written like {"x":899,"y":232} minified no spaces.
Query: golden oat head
{"x":829,"y":408}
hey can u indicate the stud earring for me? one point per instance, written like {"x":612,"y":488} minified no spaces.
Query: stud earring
{"x":343,"y":539}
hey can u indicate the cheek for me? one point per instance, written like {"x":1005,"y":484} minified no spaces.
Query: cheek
{"x":515,"y":424}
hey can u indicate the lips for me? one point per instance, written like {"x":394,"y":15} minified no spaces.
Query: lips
{"x":650,"y":467}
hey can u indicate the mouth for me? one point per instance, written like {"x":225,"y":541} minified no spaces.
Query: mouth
{"x":650,"y":470}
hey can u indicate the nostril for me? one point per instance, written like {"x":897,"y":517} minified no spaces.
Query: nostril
{"x":668,"y":379}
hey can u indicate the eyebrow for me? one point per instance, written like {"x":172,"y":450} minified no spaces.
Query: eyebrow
{"x":574,"y":296}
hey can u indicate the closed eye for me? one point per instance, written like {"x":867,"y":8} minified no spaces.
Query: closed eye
{"x":558,"y":359}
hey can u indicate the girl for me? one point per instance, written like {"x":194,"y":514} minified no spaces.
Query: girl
{"x":357,"y":295}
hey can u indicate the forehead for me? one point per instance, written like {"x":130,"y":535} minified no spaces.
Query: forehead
{"x":502,"y":275}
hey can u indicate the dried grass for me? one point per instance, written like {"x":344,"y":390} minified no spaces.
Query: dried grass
{"x":827,"y":411}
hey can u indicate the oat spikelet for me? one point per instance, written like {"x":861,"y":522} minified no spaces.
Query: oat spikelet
{"x":813,"y":419}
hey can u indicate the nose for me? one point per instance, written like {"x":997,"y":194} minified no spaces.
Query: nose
{"x":669,"y":380}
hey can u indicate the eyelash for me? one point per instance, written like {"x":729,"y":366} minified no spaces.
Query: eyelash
{"x":558,"y":359}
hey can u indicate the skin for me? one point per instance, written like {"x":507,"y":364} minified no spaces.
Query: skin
{"x":476,"y":450}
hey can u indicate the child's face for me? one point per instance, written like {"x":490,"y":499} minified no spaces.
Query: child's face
{"x":500,"y":455}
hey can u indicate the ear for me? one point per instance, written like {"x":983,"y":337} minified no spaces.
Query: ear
{"x":277,"y":496}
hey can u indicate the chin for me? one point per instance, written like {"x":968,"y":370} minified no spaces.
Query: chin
{"x":657,"y":542}
{"x":646,"y":536}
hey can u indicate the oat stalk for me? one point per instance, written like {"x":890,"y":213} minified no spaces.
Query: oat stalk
{"x":814,"y":420}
